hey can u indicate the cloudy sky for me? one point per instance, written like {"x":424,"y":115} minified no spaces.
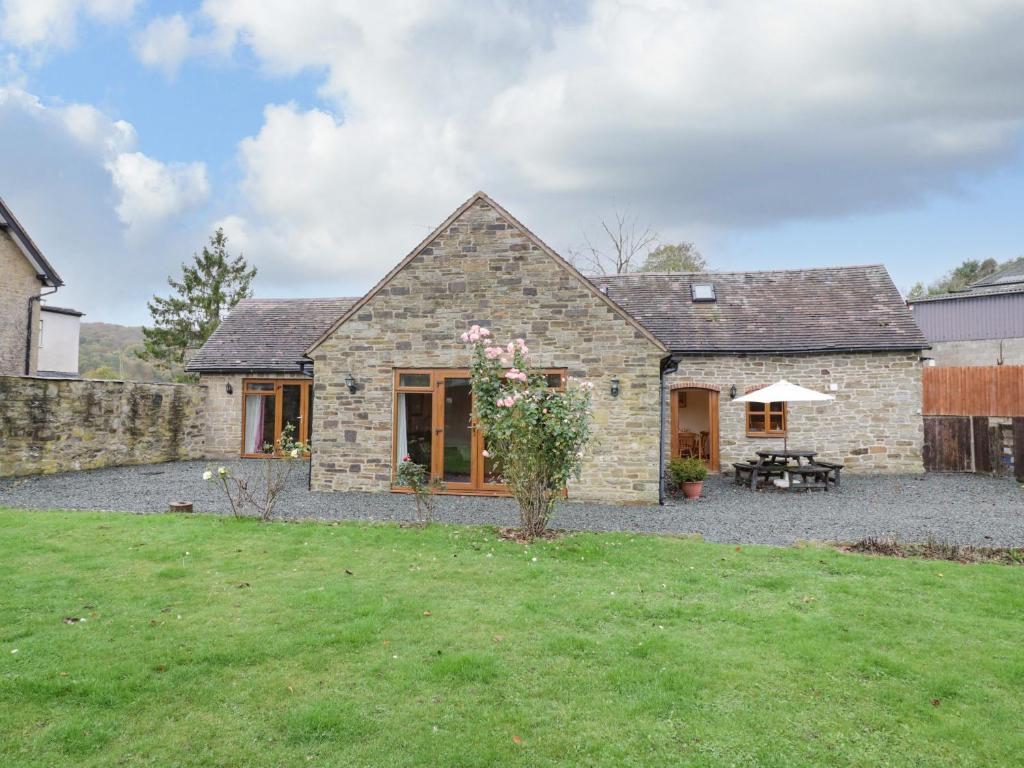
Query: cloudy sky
{"x":328,"y":137}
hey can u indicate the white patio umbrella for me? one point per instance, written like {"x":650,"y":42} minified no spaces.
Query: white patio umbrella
{"x":783,"y":392}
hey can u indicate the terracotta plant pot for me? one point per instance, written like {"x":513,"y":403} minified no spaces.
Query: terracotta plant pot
{"x":692,"y":490}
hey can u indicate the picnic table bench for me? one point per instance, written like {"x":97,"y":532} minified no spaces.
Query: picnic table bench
{"x":775,"y":466}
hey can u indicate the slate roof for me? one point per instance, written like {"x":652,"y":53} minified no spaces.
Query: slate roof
{"x":1010,"y":279}
{"x":800,"y":310}
{"x":267,"y":335}
{"x":61,"y":310}
{"x":45,"y":270}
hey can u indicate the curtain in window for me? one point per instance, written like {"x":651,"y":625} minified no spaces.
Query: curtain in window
{"x":254,"y":412}
{"x":403,"y":429}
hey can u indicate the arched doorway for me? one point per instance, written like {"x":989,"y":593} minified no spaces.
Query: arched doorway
{"x":694,"y":422}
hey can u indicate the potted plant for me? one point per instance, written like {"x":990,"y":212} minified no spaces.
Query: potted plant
{"x":688,"y":474}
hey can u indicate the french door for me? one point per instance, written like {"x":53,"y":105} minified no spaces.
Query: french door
{"x":433,"y":426}
{"x":271,"y":406}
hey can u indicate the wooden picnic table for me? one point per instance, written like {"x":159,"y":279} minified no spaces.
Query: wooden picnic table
{"x":783,"y":457}
{"x":773,"y":464}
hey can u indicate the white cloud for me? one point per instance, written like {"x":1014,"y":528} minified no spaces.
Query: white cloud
{"x":164,"y":43}
{"x":30,"y":23}
{"x":151,"y":191}
{"x":699,"y":115}
{"x":112,"y":220}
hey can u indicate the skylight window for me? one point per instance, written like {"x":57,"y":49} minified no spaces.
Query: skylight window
{"x":702,"y":292}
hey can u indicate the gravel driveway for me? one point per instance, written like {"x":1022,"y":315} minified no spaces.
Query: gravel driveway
{"x":966,"y":509}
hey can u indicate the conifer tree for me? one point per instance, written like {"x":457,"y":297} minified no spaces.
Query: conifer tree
{"x":209,"y":287}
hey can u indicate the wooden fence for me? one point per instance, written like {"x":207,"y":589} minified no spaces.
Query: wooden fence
{"x":992,"y":390}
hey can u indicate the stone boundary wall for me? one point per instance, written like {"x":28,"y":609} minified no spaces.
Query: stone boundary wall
{"x":62,"y":425}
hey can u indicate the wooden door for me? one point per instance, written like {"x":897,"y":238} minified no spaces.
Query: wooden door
{"x":713,"y":460}
{"x":713,"y":436}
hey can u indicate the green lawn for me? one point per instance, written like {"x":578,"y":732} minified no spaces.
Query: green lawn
{"x":216,"y":642}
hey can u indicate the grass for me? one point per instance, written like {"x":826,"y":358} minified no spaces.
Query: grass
{"x":211,"y":641}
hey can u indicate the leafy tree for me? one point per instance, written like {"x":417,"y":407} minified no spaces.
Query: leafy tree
{"x":101,"y":372}
{"x":970,"y":271}
{"x":208,"y":289}
{"x":675,"y":257}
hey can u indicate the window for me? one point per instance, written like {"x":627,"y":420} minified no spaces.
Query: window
{"x":766,"y":419}
{"x":269,"y":407}
{"x":702,"y":292}
{"x":433,"y":427}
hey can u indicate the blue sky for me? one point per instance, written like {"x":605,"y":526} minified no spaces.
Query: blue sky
{"x":327,"y":138}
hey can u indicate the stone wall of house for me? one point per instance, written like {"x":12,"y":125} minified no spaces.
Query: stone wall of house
{"x":977,"y":352}
{"x":224,"y":411}
{"x":18,"y":282}
{"x":873,"y":425}
{"x":482,"y":269}
{"x":61,"y":425}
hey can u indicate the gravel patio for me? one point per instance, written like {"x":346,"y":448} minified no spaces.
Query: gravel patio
{"x":965,"y":509}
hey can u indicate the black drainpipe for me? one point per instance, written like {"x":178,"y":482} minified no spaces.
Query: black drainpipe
{"x":28,"y":329}
{"x":668,"y":365}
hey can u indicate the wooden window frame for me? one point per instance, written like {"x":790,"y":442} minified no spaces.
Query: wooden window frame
{"x":477,"y":486}
{"x":305,"y":396}
{"x":765,"y":408}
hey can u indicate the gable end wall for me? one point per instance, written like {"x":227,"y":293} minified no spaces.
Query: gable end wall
{"x":482,"y":269}
{"x":18,"y":281}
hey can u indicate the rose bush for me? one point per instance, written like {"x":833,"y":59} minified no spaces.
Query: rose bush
{"x":261,"y":492}
{"x":535,"y":435}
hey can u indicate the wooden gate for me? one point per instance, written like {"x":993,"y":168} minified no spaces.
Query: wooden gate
{"x":947,"y":444}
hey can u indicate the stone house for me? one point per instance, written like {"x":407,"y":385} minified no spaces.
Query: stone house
{"x":373,"y":378}
{"x":24,"y":276}
{"x":982,"y":324}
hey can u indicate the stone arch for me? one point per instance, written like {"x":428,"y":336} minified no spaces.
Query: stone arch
{"x":690,"y":384}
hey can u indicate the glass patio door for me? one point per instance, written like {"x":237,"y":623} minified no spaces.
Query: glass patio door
{"x":433,"y":426}
{"x":458,"y":439}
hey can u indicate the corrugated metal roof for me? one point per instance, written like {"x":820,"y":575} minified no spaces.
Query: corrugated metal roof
{"x":972,"y":317}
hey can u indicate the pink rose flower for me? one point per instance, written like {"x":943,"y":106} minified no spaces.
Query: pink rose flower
{"x":486,"y":454}
{"x":407,"y":457}
{"x":464,"y":337}
{"x":484,"y":333}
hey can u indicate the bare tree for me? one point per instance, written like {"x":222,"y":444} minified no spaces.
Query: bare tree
{"x":627,"y":242}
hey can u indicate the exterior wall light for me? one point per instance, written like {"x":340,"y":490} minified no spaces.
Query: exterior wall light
{"x":350,"y":382}
{"x":732,"y":392}
{"x":228,"y":388}
{"x":615,"y":388}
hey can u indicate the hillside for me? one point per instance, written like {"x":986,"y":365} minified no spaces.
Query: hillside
{"x":107,"y":351}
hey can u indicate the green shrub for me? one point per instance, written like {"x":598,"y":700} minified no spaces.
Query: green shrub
{"x":686,"y":470}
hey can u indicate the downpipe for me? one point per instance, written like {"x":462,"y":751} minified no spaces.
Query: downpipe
{"x":28,"y":328}
{"x":668,"y":365}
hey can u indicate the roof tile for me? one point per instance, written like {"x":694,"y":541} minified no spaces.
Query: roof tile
{"x":799,"y":310}
{"x":267,"y":334}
